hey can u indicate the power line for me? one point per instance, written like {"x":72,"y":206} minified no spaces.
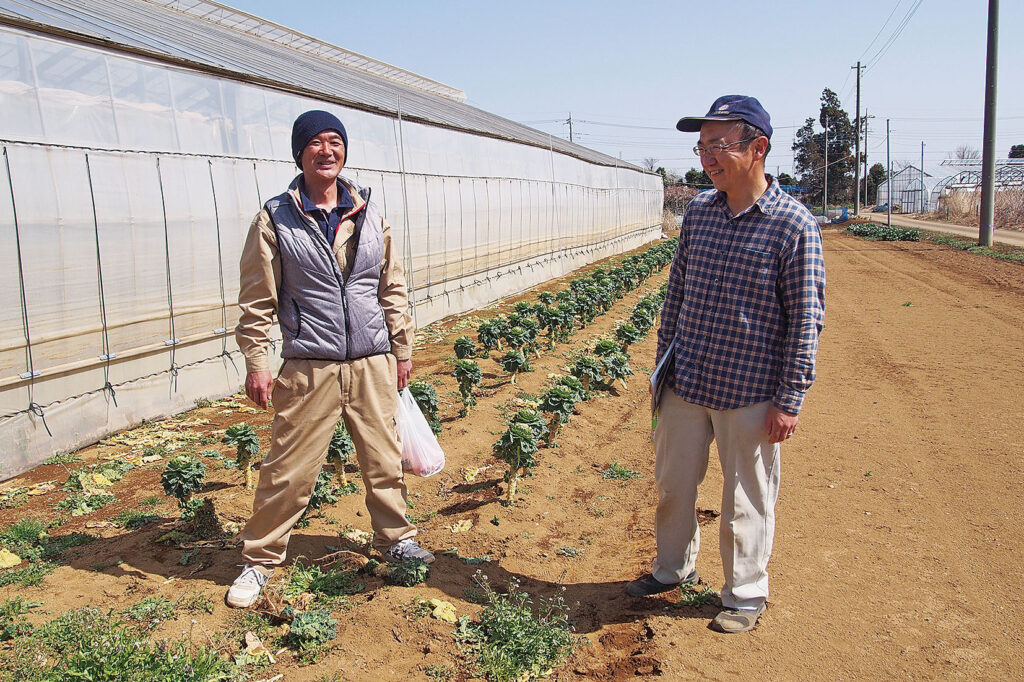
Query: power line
{"x":892,"y":39}
{"x":898,"y":3}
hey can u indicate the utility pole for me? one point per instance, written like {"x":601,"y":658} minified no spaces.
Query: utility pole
{"x":570,"y":126}
{"x":888,"y":178}
{"x":923,"y":209}
{"x":824,"y":193}
{"x":856,"y":180}
{"x":867,"y":118}
{"x":988,"y":154}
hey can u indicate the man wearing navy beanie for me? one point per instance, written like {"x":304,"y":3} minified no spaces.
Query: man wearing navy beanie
{"x":319,"y":259}
{"x":309,"y":125}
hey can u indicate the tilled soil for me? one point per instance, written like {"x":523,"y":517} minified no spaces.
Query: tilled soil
{"x":899,"y":528}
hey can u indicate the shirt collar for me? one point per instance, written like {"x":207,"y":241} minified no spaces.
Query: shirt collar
{"x":344,"y":198}
{"x":766,"y":203}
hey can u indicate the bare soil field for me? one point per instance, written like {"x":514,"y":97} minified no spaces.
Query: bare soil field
{"x":900,"y":529}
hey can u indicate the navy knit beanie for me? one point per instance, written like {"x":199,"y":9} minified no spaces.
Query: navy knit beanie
{"x":309,"y":125}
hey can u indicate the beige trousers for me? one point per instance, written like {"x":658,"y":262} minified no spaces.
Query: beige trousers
{"x":309,"y":397}
{"x":751,"y":469}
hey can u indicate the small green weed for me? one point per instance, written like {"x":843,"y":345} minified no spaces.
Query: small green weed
{"x":80,"y":503}
{"x":11,"y":622}
{"x":63,"y":458}
{"x":694,"y":597}
{"x":312,"y":629}
{"x":150,"y":612}
{"x":152,"y":501}
{"x":90,"y":644}
{"x":133,"y":519}
{"x":439,"y":672}
{"x":329,"y":583}
{"x":511,"y":641}
{"x":30,"y":576}
{"x":618,"y":472}
{"x":195,"y":603}
{"x":56,"y":546}
{"x":569,"y":552}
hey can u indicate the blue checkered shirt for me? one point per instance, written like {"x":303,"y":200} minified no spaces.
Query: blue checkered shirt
{"x":745,"y":303}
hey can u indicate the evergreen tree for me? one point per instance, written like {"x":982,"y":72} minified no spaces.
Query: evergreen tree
{"x":809,"y":151}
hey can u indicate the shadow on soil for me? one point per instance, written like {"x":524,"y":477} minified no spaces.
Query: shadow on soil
{"x":592,"y":605}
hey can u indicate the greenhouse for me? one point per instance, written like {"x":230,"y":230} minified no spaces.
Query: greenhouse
{"x":141,"y":136}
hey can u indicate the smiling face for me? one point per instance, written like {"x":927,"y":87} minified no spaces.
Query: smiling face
{"x":323,"y":157}
{"x":736,"y":168}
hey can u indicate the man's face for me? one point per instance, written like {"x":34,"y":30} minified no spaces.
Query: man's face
{"x":733,"y":168}
{"x":324,"y":156}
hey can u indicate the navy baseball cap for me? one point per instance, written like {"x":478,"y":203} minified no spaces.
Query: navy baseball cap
{"x":730,"y":108}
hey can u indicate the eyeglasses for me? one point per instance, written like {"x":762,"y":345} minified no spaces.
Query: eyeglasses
{"x":718,"y":148}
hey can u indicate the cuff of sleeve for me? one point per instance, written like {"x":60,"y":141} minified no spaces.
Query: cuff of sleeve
{"x":788,"y":400}
{"x":257,"y":363}
{"x":401,"y":352}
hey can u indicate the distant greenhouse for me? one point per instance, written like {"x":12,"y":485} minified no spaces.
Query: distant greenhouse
{"x":141,"y":136}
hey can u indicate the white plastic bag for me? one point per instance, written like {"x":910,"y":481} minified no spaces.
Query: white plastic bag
{"x":421,"y":453}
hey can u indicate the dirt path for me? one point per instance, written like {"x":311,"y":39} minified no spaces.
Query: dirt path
{"x":899,"y":538}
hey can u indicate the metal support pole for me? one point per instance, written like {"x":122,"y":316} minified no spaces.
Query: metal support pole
{"x":824,"y":193}
{"x":922,"y":178}
{"x":856,"y":166}
{"x":988,"y":154}
{"x":888,"y":178}
{"x":866,"y":119}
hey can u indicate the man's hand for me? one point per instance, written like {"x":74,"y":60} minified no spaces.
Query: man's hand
{"x":258,"y":386}
{"x":404,"y":372}
{"x":780,"y":424}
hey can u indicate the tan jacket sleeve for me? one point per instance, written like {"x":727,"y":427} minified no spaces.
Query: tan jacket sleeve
{"x":259,"y":280}
{"x":393,"y":295}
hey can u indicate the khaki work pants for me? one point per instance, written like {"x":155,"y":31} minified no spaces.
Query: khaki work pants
{"x":309,"y":397}
{"x":751,"y":470}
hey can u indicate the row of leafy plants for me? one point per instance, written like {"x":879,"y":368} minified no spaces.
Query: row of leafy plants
{"x":554,"y":318}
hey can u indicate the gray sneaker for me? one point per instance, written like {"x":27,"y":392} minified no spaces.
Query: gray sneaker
{"x":248,"y":586}
{"x":648,"y":585}
{"x":407,"y":549}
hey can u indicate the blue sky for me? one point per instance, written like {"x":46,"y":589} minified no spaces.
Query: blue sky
{"x":628,"y":71}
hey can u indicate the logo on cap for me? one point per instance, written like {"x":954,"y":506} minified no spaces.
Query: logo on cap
{"x":724,"y":107}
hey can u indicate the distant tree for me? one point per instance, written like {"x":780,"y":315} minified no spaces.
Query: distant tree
{"x":966,"y":152}
{"x":668,"y":177}
{"x":697,"y":177}
{"x":809,"y":149}
{"x":786,"y":179}
{"x":1017,"y":151}
{"x":650,"y":164}
{"x":876,"y":176}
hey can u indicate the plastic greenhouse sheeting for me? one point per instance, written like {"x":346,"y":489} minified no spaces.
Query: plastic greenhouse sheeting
{"x":127,"y":186}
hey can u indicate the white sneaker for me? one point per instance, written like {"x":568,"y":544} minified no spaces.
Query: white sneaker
{"x":246,"y":589}
{"x":407,"y":549}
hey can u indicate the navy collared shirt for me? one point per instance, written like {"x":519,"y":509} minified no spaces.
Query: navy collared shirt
{"x":745,"y":303}
{"x":327,"y":220}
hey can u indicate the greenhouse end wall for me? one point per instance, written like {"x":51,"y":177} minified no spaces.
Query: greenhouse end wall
{"x":127,"y":187}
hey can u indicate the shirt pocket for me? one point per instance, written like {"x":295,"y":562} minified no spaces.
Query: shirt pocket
{"x":756,"y":269}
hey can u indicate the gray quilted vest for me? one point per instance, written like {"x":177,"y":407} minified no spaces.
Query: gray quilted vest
{"x":324,"y":316}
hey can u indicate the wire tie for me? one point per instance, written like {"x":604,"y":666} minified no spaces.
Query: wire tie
{"x":37,"y":409}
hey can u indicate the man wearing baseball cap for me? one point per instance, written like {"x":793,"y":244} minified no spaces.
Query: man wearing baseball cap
{"x":745,"y":306}
{"x":319,"y":257}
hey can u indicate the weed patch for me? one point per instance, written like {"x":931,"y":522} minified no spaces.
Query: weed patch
{"x":617,"y":472}
{"x":89,"y":644}
{"x":513,"y":641}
